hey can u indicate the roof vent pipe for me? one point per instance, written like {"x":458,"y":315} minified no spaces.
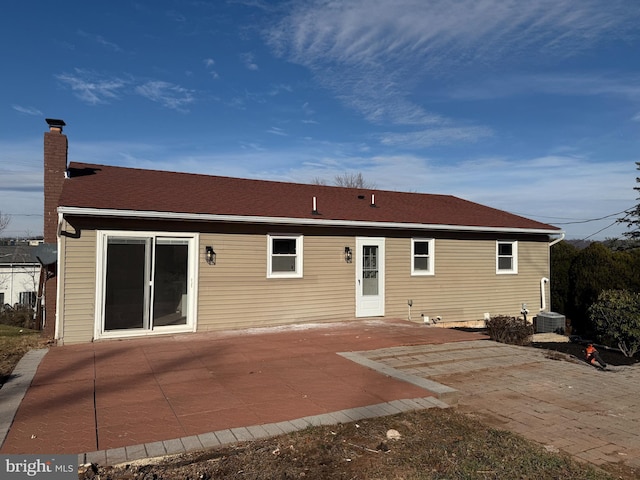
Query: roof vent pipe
{"x":314,"y":211}
{"x":373,"y":200}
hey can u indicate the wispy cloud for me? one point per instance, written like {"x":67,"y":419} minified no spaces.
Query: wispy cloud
{"x":166,"y":94}
{"x":91,"y":87}
{"x":94,"y":89}
{"x":176,"y":16}
{"x":435,"y":136}
{"x":277,"y":131}
{"x":248,"y":59}
{"x":380,"y":58}
{"x":583,"y":84}
{"x":208,"y":64}
{"x":27,"y":110}
{"x":100,"y":40}
{"x":280,"y":88}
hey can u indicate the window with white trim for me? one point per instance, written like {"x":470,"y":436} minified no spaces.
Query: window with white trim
{"x":284,"y":257}
{"x":506,"y":257}
{"x":28,"y":299}
{"x":422,"y":256}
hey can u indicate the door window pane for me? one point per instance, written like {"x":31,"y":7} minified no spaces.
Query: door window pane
{"x":125,"y":285}
{"x":170,"y":282}
{"x":370,"y":270}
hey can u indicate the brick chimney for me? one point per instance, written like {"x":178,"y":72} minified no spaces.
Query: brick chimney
{"x":55,"y":168}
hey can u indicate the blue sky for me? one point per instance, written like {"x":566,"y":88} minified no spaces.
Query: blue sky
{"x":530,"y":107}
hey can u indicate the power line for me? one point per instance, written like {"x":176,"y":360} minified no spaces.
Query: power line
{"x":601,"y":230}
{"x":576,"y":221}
{"x":24,"y":214}
{"x":594,"y":219}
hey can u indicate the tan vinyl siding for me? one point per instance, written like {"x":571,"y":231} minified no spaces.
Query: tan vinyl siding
{"x":79,"y":280}
{"x":236,"y":293}
{"x":465,"y":284}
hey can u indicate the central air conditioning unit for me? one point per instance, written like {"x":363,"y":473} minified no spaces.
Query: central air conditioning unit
{"x":550,"y":322}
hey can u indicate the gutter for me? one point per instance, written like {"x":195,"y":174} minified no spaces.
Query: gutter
{"x":206,"y":217}
{"x":562,"y":234}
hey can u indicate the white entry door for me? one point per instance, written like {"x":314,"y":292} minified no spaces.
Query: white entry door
{"x":369,"y":277}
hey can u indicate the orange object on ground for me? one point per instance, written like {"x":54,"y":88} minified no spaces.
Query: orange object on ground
{"x":593,"y":357}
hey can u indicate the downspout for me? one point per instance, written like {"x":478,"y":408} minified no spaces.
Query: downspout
{"x":543,"y":280}
{"x":59,"y":330}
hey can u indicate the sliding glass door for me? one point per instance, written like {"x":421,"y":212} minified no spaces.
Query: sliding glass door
{"x":126,"y":284}
{"x":147,"y":283}
{"x":171,"y":281}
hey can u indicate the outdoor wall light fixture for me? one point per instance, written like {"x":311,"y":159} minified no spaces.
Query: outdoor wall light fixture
{"x":348,"y":255}
{"x":210,"y":255}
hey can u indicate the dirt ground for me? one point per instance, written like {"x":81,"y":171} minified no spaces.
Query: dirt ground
{"x":576,"y":352}
{"x":432,"y":444}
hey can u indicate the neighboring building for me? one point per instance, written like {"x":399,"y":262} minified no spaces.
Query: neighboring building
{"x":19,"y":275}
{"x":144,"y":252}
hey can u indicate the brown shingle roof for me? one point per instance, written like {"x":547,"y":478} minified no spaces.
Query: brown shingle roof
{"x":130,"y":189}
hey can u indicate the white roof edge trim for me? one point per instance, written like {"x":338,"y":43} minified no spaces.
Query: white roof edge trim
{"x":205,"y":217}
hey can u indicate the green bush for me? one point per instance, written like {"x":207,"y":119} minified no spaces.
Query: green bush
{"x":506,"y":329}
{"x":616,"y":316}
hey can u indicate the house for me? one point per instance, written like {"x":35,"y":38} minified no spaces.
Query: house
{"x":19,"y":275}
{"x":144,"y":252}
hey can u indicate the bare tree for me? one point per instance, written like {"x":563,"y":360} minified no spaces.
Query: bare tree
{"x":4,"y":221}
{"x":352,"y":180}
{"x":318,"y":181}
{"x":349,"y":180}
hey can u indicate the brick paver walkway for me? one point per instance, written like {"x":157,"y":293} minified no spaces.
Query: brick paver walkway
{"x":591,"y":414}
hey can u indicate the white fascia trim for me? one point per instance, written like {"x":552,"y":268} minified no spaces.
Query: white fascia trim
{"x":205,"y":217}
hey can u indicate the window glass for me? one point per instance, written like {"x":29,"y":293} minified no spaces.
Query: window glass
{"x":505,"y":263}
{"x":421,"y":263}
{"x":421,"y":248}
{"x":28,"y":299}
{"x":282,"y":246}
{"x":283,"y":264}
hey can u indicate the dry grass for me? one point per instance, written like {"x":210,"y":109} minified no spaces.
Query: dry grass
{"x":14,"y":343}
{"x":434,"y":444}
